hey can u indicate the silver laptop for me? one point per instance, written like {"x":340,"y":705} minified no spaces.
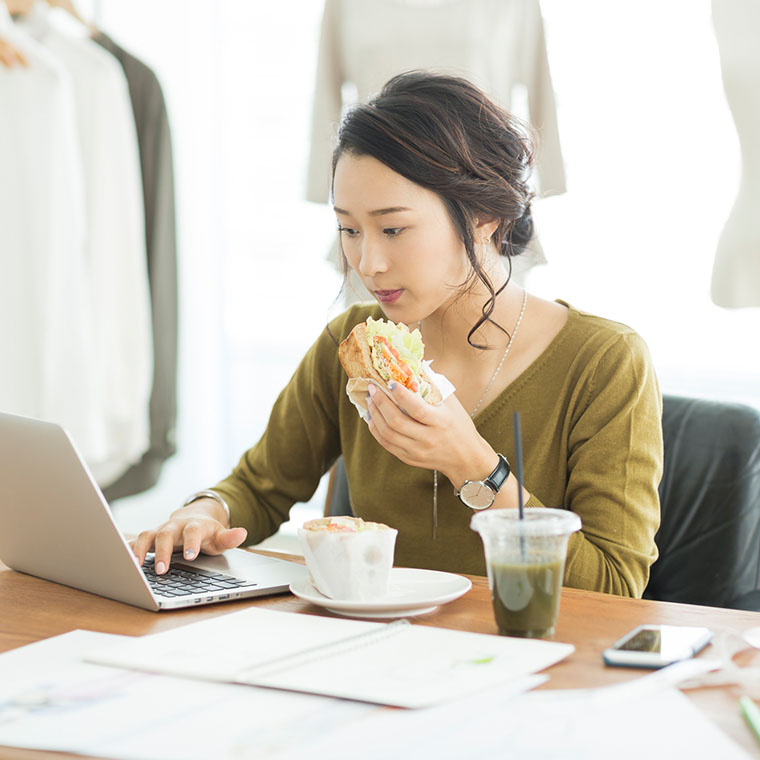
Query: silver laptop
{"x":55,"y":524}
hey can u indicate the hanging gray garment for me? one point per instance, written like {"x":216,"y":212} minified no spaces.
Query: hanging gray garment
{"x":154,"y":141}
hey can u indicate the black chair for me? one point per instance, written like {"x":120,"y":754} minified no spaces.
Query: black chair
{"x":709,"y":537}
{"x":337,"y":501}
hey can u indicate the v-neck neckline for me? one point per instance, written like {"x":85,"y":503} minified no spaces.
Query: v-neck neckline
{"x":513,"y":386}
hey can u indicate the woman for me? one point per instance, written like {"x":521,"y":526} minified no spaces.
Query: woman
{"x":431,"y":196}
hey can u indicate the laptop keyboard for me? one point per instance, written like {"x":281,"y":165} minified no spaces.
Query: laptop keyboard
{"x":183,"y":580}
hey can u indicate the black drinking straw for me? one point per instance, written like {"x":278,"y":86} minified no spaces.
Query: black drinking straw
{"x":518,"y":461}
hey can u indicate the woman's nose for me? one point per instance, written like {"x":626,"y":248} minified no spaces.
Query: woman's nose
{"x":372,"y":261}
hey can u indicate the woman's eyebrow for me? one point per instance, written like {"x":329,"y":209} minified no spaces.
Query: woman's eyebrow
{"x":377,"y":212}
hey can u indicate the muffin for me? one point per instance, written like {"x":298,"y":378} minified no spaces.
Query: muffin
{"x":347,"y":557}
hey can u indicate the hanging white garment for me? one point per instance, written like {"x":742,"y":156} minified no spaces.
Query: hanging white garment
{"x":115,"y":237}
{"x":736,"y":270}
{"x":497,"y":44}
{"x":47,"y":350}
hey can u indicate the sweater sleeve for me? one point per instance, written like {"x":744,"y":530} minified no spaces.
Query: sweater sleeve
{"x":614,"y":467}
{"x":299,"y":445}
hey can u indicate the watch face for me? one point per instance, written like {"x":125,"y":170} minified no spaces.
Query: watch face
{"x":476,"y":494}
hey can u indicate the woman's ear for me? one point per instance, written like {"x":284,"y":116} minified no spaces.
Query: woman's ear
{"x":484,"y":229}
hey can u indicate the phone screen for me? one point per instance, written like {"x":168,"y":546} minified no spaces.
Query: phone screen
{"x":647,"y":640}
{"x":666,"y":640}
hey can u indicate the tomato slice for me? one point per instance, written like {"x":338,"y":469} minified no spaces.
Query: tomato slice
{"x":398,"y":369}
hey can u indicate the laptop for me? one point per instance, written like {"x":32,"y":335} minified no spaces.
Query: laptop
{"x":56,"y":524}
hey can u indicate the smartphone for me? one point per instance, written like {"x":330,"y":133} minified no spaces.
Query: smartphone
{"x":654,"y":646}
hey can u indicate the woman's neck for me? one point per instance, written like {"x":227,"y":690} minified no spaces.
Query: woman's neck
{"x":447,"y":331}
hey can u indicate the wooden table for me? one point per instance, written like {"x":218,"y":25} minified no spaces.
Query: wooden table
{"x":32,"y":609}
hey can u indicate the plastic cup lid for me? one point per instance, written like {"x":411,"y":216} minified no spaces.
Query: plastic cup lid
{"x":537,"y":521}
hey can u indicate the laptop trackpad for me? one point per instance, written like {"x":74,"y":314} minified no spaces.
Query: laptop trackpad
{"x":253,"y":567}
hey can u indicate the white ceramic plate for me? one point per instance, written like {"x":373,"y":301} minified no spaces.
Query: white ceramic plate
{"x":411,"y":592}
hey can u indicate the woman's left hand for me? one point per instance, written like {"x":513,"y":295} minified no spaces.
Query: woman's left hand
{"x":438,"y":437}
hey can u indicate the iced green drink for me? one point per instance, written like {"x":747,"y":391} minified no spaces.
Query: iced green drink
{"x":525,"y":560}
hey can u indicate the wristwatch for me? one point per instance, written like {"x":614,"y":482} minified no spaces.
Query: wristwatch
{"x":481,"y":494}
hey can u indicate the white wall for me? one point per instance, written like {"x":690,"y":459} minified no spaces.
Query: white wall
{"x":652,"y":162}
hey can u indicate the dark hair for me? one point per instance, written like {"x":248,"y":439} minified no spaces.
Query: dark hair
{"x":443,"y":133}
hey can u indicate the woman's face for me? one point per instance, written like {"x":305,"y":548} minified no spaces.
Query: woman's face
{"x":398,"y":237}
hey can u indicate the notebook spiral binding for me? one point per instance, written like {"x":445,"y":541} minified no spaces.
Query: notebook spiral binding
{"x":322,"y":651}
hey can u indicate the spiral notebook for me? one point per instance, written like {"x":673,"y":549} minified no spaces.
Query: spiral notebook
{"x":396,"y":664}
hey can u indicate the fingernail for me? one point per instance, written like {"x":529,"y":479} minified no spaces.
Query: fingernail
{"x":160,"y":568}
{"x":371,"y":390}
{"x":189,"y":554}
{"x":391,"y":385}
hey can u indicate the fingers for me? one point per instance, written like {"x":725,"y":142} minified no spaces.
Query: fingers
{"x":228,"y":538}
{"x":210,"y":537}
{"x":143,"y":544}
{"x":161,"y":541}
{"x":420,"y":434}
{"x":384,"y":414}
{"x":167,"y":537}
{"x":192,"y":537}
{"x":399,"y":410}
{"x":410,"y":403}
{"x":393,"y":429}
{"x":379,"y":429}
{"x":195,"y":529}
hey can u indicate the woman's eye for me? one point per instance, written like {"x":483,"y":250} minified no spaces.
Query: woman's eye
{"x":348,"y":230}
{"x":393,"y":231}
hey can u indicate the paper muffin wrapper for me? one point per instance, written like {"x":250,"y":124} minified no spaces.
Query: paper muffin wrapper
{"x":349,"y":565}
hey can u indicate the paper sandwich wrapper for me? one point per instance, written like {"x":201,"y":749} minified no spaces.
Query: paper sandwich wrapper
{"x":357,"y":389}
{"x":352,"y":564}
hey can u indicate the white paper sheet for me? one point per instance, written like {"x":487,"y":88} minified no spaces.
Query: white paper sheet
{"x":627,"y":722}
{"x":136,"y":716}
{"x":49,"y":699}
{"x":394,"y":664}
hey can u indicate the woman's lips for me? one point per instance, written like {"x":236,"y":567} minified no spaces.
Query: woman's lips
{"x":388,"y":296}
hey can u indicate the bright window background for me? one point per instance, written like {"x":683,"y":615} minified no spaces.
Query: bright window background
{"x":653,"y":168}
{"x":652,"y":163}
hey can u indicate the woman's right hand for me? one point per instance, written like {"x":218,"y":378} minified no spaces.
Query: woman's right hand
{"x":199,"y":527}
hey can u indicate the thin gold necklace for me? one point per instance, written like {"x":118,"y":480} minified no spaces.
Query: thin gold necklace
{"x":477,"y":406}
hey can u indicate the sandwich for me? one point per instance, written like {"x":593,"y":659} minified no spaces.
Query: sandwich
{"x":382,"y":351}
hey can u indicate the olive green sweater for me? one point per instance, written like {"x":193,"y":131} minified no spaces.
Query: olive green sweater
{"x":592,"y":443}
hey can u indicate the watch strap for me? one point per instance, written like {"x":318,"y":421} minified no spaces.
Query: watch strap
{"x":500,"y":474}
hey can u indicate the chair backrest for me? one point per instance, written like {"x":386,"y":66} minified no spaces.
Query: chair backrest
{"x":337,"y":501}
{"x":709,"y":537}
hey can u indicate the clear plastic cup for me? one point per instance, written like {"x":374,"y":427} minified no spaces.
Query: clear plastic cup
{"x":525,"y":560}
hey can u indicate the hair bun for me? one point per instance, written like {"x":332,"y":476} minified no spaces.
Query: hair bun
{"x":520,"y":234}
